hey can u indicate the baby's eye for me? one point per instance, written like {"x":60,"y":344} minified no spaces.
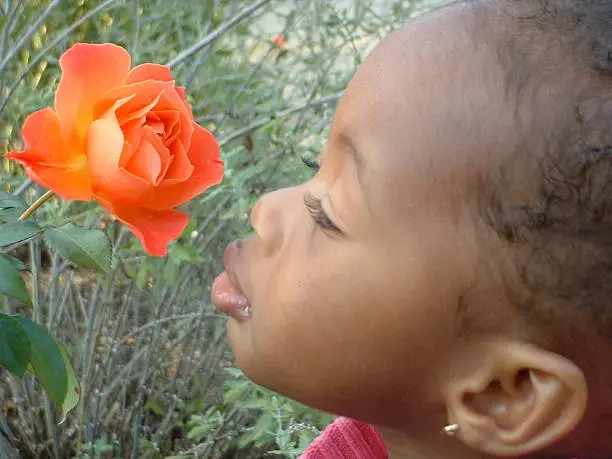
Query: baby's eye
{"x":315,"y":208}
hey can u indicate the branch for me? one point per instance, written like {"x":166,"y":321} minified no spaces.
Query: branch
{"x":282,"y":114}
{"x":246,"y":12}
{"x":43,"y":52}
{"x":7,"y":451}
{"x":31,"y":31}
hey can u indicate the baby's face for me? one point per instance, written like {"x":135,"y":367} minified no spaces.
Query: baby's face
{"x":358,"y":315}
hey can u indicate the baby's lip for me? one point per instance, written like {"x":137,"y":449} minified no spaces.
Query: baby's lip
{"x":235,"y":282}
{"x":226,"y":292}
{"x":228,"y":299}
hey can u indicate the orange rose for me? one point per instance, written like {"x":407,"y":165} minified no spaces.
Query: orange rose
{"x":125,"y":138}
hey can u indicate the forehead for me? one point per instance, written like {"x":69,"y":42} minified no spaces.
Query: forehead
{"x":426,"y":111}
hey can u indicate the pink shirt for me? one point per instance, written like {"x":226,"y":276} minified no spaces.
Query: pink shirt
{"x":347,"y":439}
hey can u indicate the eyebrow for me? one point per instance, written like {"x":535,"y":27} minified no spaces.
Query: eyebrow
{"x":360,"y":164}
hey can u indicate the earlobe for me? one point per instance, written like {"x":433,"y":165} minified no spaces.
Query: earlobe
{"x":514,"y":398}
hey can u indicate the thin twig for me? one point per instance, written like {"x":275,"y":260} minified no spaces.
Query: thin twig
{"x":193,"y":315}
{"x":31,"y":31}
{"x":218,"y":32}
{"x":37,"y":204}
{"x":282,"y":114}
{"x":43,"y":52}
{"x":23,"y":187}
{"x":145,"y":374}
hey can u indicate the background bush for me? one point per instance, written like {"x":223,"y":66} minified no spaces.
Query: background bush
{"x":150,"y":351}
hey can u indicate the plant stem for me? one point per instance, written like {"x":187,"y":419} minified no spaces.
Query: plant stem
{"x":38,"y":203}
{"x":218,"y":32}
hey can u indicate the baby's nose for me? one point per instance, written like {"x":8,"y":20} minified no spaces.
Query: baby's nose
{"x":266,"y":220}
{"x":271,"y":216}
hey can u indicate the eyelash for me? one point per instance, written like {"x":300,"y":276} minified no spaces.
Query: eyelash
{"x":315,"y":208}
{"x":312,"y":165}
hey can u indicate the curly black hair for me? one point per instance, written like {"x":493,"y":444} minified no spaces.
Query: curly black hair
{"x":559,"y":239}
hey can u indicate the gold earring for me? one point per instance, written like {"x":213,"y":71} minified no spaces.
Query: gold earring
{"x":450,"y":430}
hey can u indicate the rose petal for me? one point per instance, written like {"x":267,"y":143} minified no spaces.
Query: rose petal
{"x":132,"y":135}
{"x":151,"y":160}
{"x":181,"y":168}
{"x":145,"y":163}
{"x":181,"y":92}
{"x":88,"y":72}
{"x":155,"y":72}
{"x":105,"y":146}
{"x":68,"y":184}
{"x":143,"y":97}
{"x":42,"y":138}
{"x":155,"y":123}
{"x":170,"y":100}
{"x":170,"y":120}
{"x":145,"y":72}
{"x":154,"y":228}
{"x":205,"y":156}
{"x":49,"y":161}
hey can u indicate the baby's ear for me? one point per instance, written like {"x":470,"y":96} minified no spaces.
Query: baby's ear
{"x":512,"y":399}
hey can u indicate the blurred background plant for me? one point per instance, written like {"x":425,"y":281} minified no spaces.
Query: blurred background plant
{"x":150,"y":351}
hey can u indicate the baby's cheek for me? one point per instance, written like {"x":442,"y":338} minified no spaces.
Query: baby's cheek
{"x":293,"y":301}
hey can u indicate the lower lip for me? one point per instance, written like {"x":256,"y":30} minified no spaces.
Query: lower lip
{"x":228,"y":300}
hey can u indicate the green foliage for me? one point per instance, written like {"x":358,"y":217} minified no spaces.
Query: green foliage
{"x":14,"y":345}
{"x":18,"y":232}
{"x":202,"y":426}
{"x":27,"y":345}
{"x":85,"y":247}
{"x":282,"y":425}
{"x":11,"y":207}
{"x":73,"y":390}
{"x":11,"y":282}
{"x":45,"y":360}
{"x":101,"y":448}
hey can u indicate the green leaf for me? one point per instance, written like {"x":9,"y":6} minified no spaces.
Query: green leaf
{"x":18,"y":231}
{"x":142,"y":277}
{"x":17,"y":263}
{"x":11,"y":207}
{"x":11,"y":282}
{"x":14,"y":345}
{"x":171,"y":272}
{"x":234,"y":372}
{"x":305,"y":438}
{"x":46,"y":361}
{"x":73,"y":394}
{"x":89,"y":248}
{"x":185,"y":254}
{"x":156,"y":408}
{"x":8,"y":200}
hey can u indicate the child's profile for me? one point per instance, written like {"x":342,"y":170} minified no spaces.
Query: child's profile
{"x":449,"y":266}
